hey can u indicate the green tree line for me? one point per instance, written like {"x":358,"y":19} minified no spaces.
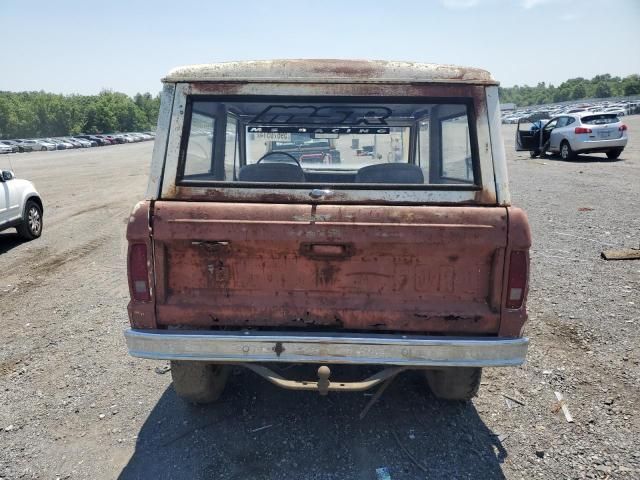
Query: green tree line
{"x":600,"y":86}
{"x":40,"y":114}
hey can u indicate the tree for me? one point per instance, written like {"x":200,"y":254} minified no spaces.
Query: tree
{"x":40,"y":114}
{"x":579,"y":92}
{"x":602,"y":90}
{"x":600,"y":86}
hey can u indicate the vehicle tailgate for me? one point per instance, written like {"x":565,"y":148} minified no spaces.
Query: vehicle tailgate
{"x":431,"y":269}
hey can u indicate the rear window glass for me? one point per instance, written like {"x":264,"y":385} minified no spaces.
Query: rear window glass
{"x":328,"y":143}
{"x":601,"y":119}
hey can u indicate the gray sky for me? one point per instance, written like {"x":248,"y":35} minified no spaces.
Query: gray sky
{"x":79,"y":47}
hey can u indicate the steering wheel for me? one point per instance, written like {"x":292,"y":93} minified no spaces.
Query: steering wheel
{"x":279,"y":153}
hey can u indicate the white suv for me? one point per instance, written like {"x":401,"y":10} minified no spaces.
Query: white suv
{"x":571,"y":134}
{"x":20,"y":206}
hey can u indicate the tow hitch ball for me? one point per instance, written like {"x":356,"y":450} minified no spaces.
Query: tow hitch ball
{"x":323,"y":379}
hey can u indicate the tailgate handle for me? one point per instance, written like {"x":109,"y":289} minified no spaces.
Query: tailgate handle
{"x":320,"y":193}
{"x":327,"y":250}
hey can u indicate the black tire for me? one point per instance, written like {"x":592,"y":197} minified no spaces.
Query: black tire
{"x":199,"y":382}
{"x":615,"y":153}
{"x":43,"y":149}
{"x":566,"y":153}
{"x":31,"y":225}
{"x":454,"y":383}
{"x":533,"y":153}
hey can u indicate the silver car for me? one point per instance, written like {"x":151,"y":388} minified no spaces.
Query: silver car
{"x":575,"y":133}
{"x":38,"y":145}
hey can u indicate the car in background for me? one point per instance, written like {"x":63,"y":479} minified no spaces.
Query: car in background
{"x":15,"y":147}
{"x":572,"y":134}
{"x":132,"y":137}
{"x":81,"y":142}
{"x":619,"y":111}
{"x":7,"y":148}
{"x":40,"y":145}
{"x":104,"y":138}
{"x":60,"y":145}
{"x":115,"y":138}
{"x":22,"y":147}
{"x":93,"y":138}
{"x":20,"y":206}
{"x":74,"y":143}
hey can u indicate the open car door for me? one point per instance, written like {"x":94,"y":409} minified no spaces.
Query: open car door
{"x":527,"y":135}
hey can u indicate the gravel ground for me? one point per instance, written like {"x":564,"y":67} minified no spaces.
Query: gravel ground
{"x":73,"y":404}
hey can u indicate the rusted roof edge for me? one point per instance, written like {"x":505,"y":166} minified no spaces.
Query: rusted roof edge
{"x":329,"y":71}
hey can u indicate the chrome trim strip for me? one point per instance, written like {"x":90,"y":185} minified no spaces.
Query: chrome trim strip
{"x":331,"y":348}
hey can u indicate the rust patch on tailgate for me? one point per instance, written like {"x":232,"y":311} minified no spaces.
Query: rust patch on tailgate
{"x":421,"y":269}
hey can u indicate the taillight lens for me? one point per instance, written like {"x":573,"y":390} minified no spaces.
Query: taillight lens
{"x":622,"y":127}
{"x":518,"y":276}
{"x":139,"y":272}
{"x":582,"y":130}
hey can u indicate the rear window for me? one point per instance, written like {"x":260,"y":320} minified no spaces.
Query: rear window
{"x":601,"y":119}
{"x":331,"y":143}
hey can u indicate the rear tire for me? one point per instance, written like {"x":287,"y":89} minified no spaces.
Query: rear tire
{"x":566,"y":153}
{"x":454,"y":383}
{"x":31,"y":225}
{"x":615,"y":153}
{"x":43,"y":149}
{"x":199,"y":382}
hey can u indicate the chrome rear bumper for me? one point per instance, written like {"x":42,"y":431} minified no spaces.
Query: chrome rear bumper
{"x":330,"y":348}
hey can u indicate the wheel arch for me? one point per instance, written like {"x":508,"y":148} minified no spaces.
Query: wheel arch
{"x":34,"y":198}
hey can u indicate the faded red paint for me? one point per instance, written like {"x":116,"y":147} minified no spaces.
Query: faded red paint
{"x":418,"y":269}
{"x":141,"y":314}
{"x":519,"y":239}
{"x":226,"y":258}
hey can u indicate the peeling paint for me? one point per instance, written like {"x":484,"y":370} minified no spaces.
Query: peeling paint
{"x":329,"y":71}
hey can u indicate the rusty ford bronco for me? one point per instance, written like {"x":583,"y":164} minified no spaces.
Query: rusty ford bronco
{"x":328,"y":212}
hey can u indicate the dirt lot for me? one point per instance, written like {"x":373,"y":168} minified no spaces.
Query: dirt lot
{"x":73,"y":404}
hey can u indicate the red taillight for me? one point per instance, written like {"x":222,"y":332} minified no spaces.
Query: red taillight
{"x":582,"y":130}
{"x":622,"y":127}
{"x":139,"y":272}
{"x":518,"y":275}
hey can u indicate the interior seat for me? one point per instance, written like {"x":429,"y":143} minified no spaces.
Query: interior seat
{"x":390,"y":173}
{"x":274,"y":172}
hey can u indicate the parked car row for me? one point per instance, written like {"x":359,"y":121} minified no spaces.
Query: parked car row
{"x":620,"y":109}
{"x":77,"y":141}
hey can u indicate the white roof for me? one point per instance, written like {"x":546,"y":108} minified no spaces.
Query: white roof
{"x":329,"y":71}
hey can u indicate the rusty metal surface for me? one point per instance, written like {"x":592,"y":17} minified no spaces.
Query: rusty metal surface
{"x":422,"y":269}
{"x":475,"y":92}
{"x":329,"y":71}
{"x":141,"y":314}
{"x":324,"y":385}
{"x":483,"y":196}
{"x":513,"y":321}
